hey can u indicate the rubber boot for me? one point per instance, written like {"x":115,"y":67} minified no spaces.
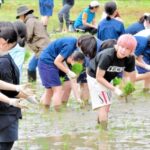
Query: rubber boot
{"x":31,"y":76}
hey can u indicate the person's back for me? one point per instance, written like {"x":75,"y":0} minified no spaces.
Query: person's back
{"x":110,"y":29}
{"x":143,"y":23}
{"x":134,"y":28}
{"x":37,"y":37}
{"x":63,"y":46}
{"x":143,"y":48}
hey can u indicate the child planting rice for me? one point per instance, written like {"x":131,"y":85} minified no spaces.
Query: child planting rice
{"x":52,"y":61}
{"x":103,"y":68}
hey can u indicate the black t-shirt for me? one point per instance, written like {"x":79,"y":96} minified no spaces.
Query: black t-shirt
{"x":108,"y":61}
{"x":9,"y":73}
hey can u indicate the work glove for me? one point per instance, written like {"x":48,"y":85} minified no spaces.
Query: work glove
{"x":71,"y":74}
{"x":118,"y":92}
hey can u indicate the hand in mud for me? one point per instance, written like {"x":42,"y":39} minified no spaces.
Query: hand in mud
{"x":16,"y":103}
{"x":118,"y":92}
{"x":81,"y":102}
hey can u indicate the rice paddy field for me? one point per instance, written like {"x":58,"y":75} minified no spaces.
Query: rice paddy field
{"x":74,"y":128}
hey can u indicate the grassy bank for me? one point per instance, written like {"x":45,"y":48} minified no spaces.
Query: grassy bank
{"x":130,"y":10}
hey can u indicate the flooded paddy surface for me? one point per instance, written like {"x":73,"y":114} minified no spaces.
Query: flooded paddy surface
{"x":76,"y":129}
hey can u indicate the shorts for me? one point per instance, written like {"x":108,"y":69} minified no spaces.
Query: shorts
{"x":46,"y":9}
{"x":82,"y":77}
{"x":141,"y":69}
{"x":100,"y":95}
{"x":49,"y":75}
{"x":63,"y":75}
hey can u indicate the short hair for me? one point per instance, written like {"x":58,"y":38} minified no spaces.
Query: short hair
{"x":7,"y":32}
{"x":108,"y":44}
{"x":143,"y":18}
{"x":21,"y":32}
{"x":88,"y":45}
{"x":127,"y":41}
{"x":78,"y":56}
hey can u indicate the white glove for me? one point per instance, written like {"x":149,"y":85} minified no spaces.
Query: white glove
{"x":147,"y":67}
{"x":118,"y":92}
{"x":32,"y":99}
{"x":71,"y":74}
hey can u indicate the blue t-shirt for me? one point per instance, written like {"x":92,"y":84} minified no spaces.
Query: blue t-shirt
{"x":135,"y":28}
{"x":141,"y":45}
{"x":99,"y":43}
{"x":63,"y":46}
{"x":90,"y":17}
{"x":110,"y":29}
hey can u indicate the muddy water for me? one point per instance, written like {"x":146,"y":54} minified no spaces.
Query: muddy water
{"x":76,"y":129}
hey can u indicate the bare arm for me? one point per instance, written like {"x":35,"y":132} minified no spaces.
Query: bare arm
{"x":84,"y":21}
{"x":139,"y":61}
{"x":100,"y":78}
{"x":59,"y":63}
{"x":8,"y":86}
{"x":94,"y":22}
{"x":4,"y":98}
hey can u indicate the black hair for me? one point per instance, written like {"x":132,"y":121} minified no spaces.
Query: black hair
{"x":78,"y":56}
{"x":88,"y":45}
{"x":7,"y":32}
{"x":143,"y":18}
{"x":90,"y":7}
{"x":110,"y":8}
{"x":21,"y":32}
{"x":108,"y":44}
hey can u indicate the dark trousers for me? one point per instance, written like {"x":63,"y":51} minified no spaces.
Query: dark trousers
{"x":88,"y":29}
{"x":64,"y":13}
{"x":6,"y":145}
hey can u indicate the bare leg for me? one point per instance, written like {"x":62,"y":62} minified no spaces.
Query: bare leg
{"x":84,"y":92}
{"x":44,"y":20}
{"x":103,"y":116}
{"x":146,"y":78}
{"x":75,"y":88}
{"x":46,"y":97}
{"x":147,"y":83}
{"x":57,"y":97}
{"x":66,"y":91}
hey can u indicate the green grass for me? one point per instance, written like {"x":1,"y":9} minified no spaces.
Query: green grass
{"x":130,"y":10}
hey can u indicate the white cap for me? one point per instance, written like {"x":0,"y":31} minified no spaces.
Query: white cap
{"x":146,"y":14}
{"x":94,"y":3}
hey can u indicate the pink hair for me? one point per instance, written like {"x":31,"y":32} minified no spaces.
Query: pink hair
{"x":127,"y":41}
